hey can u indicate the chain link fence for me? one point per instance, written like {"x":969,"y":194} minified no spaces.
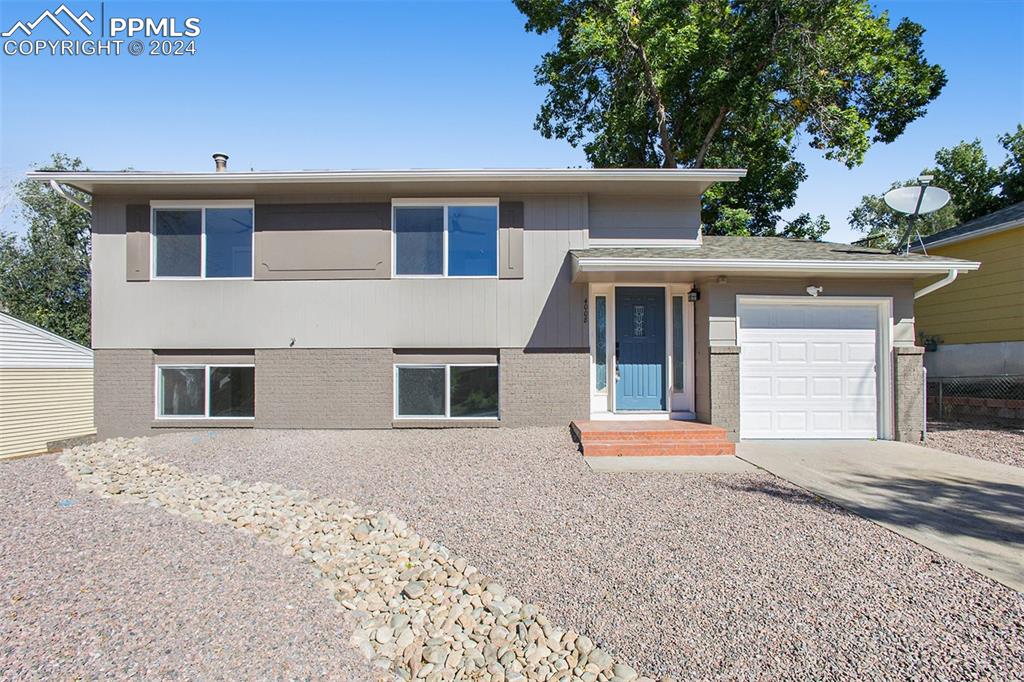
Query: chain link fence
{"x":995,"y":399}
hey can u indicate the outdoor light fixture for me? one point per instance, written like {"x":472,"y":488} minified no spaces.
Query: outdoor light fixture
{"x":693,"y":295}
{"x":814,"y":291}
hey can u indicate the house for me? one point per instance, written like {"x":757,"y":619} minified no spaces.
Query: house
{"x":379,"y":299}
{"x":45,"y":388}
{"x":974,"y":328}
{"x":977,"y":322}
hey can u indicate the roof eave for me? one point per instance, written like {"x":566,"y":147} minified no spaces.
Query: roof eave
{"x":86,"y":180}
{"x":973,"y":234}
{"x":582,"y":265}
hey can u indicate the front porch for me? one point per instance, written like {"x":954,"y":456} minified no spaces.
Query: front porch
{"x":636,"y":438}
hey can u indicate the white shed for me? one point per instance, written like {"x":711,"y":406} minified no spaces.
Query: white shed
{"x":46,"y":389}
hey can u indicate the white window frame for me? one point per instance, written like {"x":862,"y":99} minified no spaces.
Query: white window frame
{"x":447,"y":366}
{"x":200,"y":206}
{"x":206,"y":394}
{"x":444,"y":203}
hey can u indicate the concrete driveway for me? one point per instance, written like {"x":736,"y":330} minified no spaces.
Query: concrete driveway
{"x":967,"y":509}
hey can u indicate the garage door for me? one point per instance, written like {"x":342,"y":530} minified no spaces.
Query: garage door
{"x":807,"y":370}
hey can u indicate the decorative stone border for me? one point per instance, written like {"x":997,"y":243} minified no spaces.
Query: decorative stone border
{"x":423,"y":613}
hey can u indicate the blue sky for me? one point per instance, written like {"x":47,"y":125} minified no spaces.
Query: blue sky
{"x":284,"y":85}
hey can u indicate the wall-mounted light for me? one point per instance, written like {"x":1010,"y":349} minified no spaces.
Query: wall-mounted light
{"x":693,"y":295}
{"x":814,"y":291}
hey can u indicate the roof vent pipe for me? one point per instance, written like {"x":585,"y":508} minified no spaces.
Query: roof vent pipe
{"x":222,"y":162}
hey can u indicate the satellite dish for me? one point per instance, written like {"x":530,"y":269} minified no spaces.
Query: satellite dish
{"x":916,"y":199}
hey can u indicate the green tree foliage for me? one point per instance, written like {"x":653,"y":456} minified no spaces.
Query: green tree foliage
{"x":44,"y":276}
{"x":730,"y":83}
{"x":975,"y":189}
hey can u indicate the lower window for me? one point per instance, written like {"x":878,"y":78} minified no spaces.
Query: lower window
{"x":446,"y":391}
{"x":205,"y":391}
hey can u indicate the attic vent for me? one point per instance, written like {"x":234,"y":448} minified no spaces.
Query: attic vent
{"x":221,"y":161}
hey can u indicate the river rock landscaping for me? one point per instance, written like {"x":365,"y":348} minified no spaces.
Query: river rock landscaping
{"x":422,"y":612}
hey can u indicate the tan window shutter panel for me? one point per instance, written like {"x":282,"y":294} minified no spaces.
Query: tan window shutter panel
{"x":510,"y":240}
{"x":137,"y":242}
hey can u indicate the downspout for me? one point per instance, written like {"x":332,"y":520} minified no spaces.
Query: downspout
{"x":935,"y":286}
{"x":55,"y":186}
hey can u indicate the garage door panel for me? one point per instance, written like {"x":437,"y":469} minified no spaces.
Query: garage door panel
{"x":826,"y":387}
{"x":758,"y":352}
{"x":808,"y":371}
{"x":828,"y":421}
{"x":791,"y":387}
{"x":860,"y":352}
{"x":822,"y":351}
{"x":861,"y":387}
{"x":790,"y":351}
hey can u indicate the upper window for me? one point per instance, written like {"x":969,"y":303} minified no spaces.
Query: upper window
{"x":458,"y":239}
{"x":213,"y":241}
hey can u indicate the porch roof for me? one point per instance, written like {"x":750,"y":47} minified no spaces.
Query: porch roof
{"x":774,"y":256}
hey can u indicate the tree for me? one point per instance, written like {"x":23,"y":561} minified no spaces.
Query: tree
{"x":730,"y":83}
{"x":975,"y":189}
{"x":44,"y":276}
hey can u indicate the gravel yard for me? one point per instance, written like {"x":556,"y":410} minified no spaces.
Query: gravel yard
{"x":99,"y":590}
{"x":994,"y":443}
{"x":693,"y":576}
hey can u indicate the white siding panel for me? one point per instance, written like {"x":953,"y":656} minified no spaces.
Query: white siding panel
{"x":24,"y":345}
{"x":38,"y":406}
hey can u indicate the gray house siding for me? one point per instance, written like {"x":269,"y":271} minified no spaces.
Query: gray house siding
{"x":543,"y":309}
{"x":652,"y":218}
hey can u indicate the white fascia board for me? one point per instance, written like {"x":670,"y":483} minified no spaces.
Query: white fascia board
{"x":992,"y":229}
{"x":466,"y":175}
{"x":775,"y":266}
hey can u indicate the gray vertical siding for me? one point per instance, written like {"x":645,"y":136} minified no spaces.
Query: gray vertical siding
{"x":542,"y":310}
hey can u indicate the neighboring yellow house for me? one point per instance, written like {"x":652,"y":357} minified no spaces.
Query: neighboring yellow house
{"x":46,"y":388}
{"x":978,"y":320}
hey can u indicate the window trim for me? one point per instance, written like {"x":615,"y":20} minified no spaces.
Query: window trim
{"x":207,"y":366}
{"x":444,"y":203}
{"x":447,"y":366}
{"x":201,"y":206}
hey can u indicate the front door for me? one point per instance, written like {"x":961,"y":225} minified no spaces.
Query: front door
{"x":639,"y":348}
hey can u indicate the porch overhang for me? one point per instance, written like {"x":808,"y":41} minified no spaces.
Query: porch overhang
{"x":757,"y":257}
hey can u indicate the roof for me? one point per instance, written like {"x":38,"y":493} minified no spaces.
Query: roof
{"x":997,"y":221}
{"x":764,"y":254}
{"x":622,"y":179}
{"x":26,"y":345}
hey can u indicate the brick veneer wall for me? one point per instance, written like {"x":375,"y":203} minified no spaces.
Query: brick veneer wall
{"x":339,"y":388}
{"x":123,"y":392}
{"x":908,"y":393}
{"x":725,"y":388}
{"x":543,"y":388}
{"x":324,"y":388}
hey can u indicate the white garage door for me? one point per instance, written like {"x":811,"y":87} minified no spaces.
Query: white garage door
{"x":807,"y":370}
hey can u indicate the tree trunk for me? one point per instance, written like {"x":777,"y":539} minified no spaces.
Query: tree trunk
{"x":652,"y":91}
{"x":706,"y":145}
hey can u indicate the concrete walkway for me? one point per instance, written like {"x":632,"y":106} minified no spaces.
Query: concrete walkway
{"x":967,"y":509}
{"x":687,"y":464}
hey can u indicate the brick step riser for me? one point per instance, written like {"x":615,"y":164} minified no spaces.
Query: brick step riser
{"x":658,"y":451}
{"x":647,"y":436}
{"x":657,"y":443}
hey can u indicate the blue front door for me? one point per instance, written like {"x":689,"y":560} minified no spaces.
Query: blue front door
{"x":640,"y":348}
